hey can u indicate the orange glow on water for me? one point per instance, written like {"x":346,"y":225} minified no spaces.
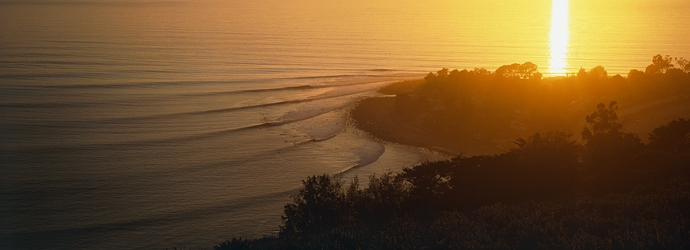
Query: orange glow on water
{"x":559,"y":38}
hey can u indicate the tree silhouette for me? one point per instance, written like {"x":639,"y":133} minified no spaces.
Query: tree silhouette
{"x":598,"y":72}
{"x":316,"y":208}
{"x":605,"y":142}
{"x":660,"y":64}
{"x":527,"y":70}
{"x":601,"y":122}
{"x":674,"y":136}
{"x":429,"y":184}
{"x":635,"y":75}
{"x":683,"y":64}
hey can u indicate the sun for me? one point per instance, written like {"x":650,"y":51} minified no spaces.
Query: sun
{"x":558,"y":38}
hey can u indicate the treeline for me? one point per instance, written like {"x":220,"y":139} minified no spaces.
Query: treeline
{"x":514,"y":101}
{"x":550,"y":192}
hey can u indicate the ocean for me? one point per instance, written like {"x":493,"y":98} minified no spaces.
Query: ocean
{"x":148,"y":124}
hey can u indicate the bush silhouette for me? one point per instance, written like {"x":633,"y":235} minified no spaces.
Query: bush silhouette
{"x":318,"y":207}
{"x":674,"y":136}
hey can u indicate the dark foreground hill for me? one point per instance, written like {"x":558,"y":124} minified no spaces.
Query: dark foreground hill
{"x":551,"y":192}
{"x":607,"y":188}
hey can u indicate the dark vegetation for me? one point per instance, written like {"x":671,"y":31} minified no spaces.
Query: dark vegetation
{"x":490,"y":109}
{"x":607,"y":190}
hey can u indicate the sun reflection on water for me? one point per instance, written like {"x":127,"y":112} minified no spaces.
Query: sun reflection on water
{"x":558,"y":38}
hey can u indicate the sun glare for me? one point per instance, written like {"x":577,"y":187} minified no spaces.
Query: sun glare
{"x":558,"y":38}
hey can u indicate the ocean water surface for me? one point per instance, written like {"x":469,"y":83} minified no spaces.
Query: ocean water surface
{"x":157,"y":124}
